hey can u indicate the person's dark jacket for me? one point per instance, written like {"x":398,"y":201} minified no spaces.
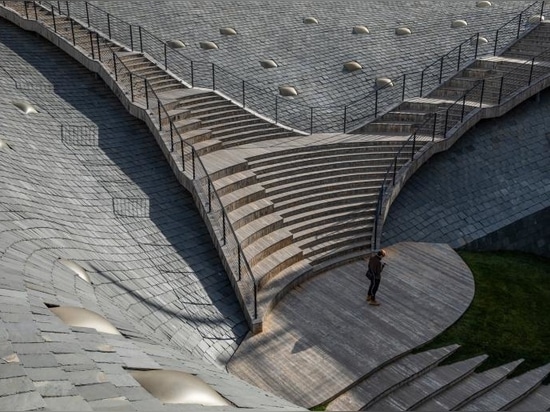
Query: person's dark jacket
{"x":375,"y":266}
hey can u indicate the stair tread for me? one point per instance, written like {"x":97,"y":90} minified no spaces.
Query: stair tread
{"x":270,"y":263}
{"x":265,"y":242}
{"x":251,"y":207}
{"x":509,"y":391}
{"x":233,"y":178}
{"x":474,"y":385}
{"x":409,"y":395}
{"x":538,"y":400}
{"x":383,"y":380}
{"x":258,"y":224}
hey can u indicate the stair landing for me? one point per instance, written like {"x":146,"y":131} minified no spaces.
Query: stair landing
{"x":322,"y":336}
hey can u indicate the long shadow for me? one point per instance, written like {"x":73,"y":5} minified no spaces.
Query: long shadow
{"x":129,"y":145}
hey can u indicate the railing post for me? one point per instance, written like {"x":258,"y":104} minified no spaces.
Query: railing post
{"x":435,"y":125}
{"x":255,"y":298}
{"x":35,"y":12}
{"x":531,"y":71}
{"x":182,"y":154}
{"x":542,"y":9}
{"x":496,"y":44}
{"x":132,"y":86}
{"x":26,"y":10}
{"x":446,"y":123}
{"x":99,"y":47}
{"x":500,"y":91}
{"x":477,"y":45}
{"x":192,"y":75}
{"x":463,"y":107}
{"x":54,"y":24}
{"x":276,"y":109}
{"x":160,"y":123}
{"x":131,"y":37}
{"x":239,"y":260}
{"x":172,"y":134}
{"x":311,"y":121}
{"x":72,"y":31}
{"x":213,"y":76}
{"x":441,"y":69}
{"x":519,"y":25}
{"x":114,"y":64}
{"x":345,"y":117}
{"x":68,"y":10}
{"x":140,"y":40}
{"x":92,"y":45}
{"x":244,"y":95}
{"x":223,"y":227}
{"x":421,"y":83}
{"x":59,"y":6}
{"x":109,"y":25}
{"x":394,"y":169}
{"x":87,"y":13}
{"x":482,"y":93}
{"x":459,"y":57}
{"x":209,"y":197}
{"x":404,"y":81}
{"x":376,"y":103}
{"x":193,"y":155}
{"x":414,"y":146}
{"x":146,"y":93}
{"x":165,"y":57}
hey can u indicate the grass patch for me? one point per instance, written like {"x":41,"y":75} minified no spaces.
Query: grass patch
{"x":509,"y":318}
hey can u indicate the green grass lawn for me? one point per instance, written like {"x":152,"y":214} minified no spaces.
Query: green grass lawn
{"x":509,"y":318}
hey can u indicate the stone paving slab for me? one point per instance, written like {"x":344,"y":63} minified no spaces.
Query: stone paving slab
{"x":323,"y":336}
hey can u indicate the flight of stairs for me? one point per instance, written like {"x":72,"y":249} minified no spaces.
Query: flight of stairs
{"x":418,"y":382}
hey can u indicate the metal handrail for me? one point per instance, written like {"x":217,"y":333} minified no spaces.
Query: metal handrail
{"x":339,"y":114}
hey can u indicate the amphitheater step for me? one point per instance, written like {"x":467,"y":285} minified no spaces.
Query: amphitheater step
{"x":390,"y":126}
{"x":382,"y":381}
{"x":247,"y":213}
{"x":337,"y":218}
{"x":337,"y":244}
{"x":509,"y":392}
{"x":406,"y":116}
{"x":275,"y":263}
{"x":332,"y":197}
{"x":468,"y":389}
{"x":258,"y":228}
{"x":187,"y":124}
{"x":426,"y":386}
{"x":297,"y":220}
{"x":254,"y":137}
{"x":266,"y":245}
{"x":323,"y":232}
{"x":351,"y":184}
{"x":538,"y":400}
{"x":207,"y":146}
{"x":237,"y":198}
{"x":233,"y":182}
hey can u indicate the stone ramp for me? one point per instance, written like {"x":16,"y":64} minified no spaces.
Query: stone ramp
{"x":323,"y":337}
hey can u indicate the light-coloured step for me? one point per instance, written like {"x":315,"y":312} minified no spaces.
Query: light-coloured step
{"x":276,"y":262}
{"x":509,"y":392}
{"x":350,"y":184}
{"x":267,"y":245}
{"x":538,"y":400}
{"x":254,"y":137}
{"x":427,"y":385}
{"x":236,"y":181}
{"x":240,"y":197}
{"x":252,"y":210}
{"x":258,"y":228}
{"x":468,"y":389}
{"x":383,"y":381}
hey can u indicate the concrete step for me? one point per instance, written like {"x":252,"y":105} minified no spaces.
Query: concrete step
{"x":275,"y":288}
{"x":311,"y":204}
{"x":477,"y":73}
{"x":191,"y":136}
{"x":328,"y":197}
{"x":382,"y":381}
{"x":240,"y":122}
{"x":204,"y":109}
{"x":309,"y":237}
{"x":391,"y":126}
{"x":406,"y":116}
{"x":249,"y":212}
{"x":187,"y":124}
{"x":267,"y":245}
{"x":335,"y":248}
{"x":175,"y":99}
{"x":207,"y":146}
{"x":337,"y":216}
{"x":427,"y":385}
{"x":351,"y":184}
{"x":538,"y":400}
{"x":232,"y":129}
{"x":352,"y":208}
{"x":275,"y":263}
{"x":297,"y":165}
{"x":470,"y":388}
{"x":448,"y":92}
{"x":233,"y":116}
{"x":175,"y":85}
{"x":509,"y":392}
{"x":307,"y":181}
{"x":254,"y":137}
{"x":236,"y":181}
{"x":237,"y":198}
{"x":260,"y":227}
{"x":174,"y":116}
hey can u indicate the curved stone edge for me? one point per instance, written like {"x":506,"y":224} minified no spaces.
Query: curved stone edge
{"x":458,"y":131}
{"x":141,"y":114}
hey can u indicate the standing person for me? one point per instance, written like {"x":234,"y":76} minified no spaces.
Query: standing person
{"x":374,"y":273}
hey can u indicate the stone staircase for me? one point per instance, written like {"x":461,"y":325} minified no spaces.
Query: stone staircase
{"x":295,"y":211}
{"x":419,"y":382}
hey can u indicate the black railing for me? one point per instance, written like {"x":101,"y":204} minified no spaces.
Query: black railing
{"x":140,"y":91}
{"x":491,"y":90}
{"x":283,"y":110}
